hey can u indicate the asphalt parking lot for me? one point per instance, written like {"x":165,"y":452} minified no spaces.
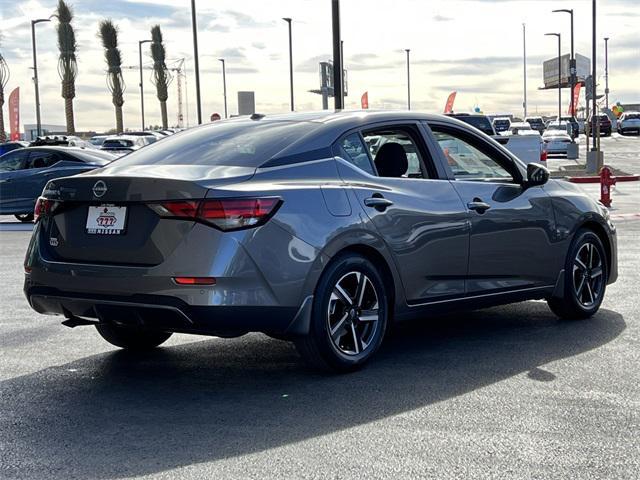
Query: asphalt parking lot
{"x":508,"y":392}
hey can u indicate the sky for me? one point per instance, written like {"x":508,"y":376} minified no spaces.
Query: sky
{"x":471,"y":46}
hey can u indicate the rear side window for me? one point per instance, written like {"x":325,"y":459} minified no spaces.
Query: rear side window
{"x":42,"y":159}
{"x":354,"y":151}
{"x":245,"y":144}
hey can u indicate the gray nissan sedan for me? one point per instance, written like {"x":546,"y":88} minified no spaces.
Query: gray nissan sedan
{"x":324,"y":229}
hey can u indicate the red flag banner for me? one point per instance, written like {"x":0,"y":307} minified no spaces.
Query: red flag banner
{"x":364,"y":100}
{"x":448,"y":108}
{"x":14,"y":114}
{"x":576,"y":96}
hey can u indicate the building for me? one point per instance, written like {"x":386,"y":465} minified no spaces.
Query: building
{"x":31,"y":129}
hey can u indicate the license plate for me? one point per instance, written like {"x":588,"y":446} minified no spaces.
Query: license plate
{"x":106,"y":220}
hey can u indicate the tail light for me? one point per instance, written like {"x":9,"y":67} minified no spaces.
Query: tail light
{"x":543,"y":156}
{"x":43,"y":207}
{"x":225,"y":214}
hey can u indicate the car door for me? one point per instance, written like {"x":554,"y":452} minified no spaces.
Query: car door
{"x":420,"y":218}
{"x":11,"y":170}
{"x":512,"y":227}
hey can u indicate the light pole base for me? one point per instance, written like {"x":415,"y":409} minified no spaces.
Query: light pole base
{"x":595,"y":161}
{"x":573,"y":150}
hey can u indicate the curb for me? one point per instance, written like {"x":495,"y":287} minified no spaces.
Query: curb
{"x":621,"y":178}
{"x":625,"y":216}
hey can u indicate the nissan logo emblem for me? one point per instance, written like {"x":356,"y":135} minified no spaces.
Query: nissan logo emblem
{"x":99,"y":189}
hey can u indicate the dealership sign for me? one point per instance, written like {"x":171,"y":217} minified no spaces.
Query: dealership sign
{"x":14,"y":114}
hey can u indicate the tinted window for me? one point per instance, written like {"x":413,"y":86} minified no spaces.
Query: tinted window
{"x":466,"y":161}
{"x":481,"y":123}
{"x":117,"y":143}
{"x":634,"y":116}
{"x":247,"y":144}
{"x":12,"y":160}
{"x":376,"y":139}
{"x":354,"y":151}
{"x":39,"y":159}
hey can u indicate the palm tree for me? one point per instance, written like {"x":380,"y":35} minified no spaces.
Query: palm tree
{"x":161,"y":76}
{"x":67,"y":66}
{"x":4,"y":79}
{"x":108,"y":32}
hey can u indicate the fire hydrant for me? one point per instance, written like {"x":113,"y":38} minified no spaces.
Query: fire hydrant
{"x":607,"y":180}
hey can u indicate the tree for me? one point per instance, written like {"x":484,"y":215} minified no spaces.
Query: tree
{"x":161,"y":76}
{"x":67,"y":66}
{"x":108,"y":32}
{"x":4,"y":79}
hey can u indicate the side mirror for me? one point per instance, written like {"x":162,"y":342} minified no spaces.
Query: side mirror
{"x":536,"y":175}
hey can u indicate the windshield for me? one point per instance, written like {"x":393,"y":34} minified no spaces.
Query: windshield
{"x":244,"y":144}
{"x":117,"y":143}
{"x":632,"y":116}
{"x":480,"y":122}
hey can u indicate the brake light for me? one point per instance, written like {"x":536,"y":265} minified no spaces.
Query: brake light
{"x":43,"y":207}
{"x":195,"y":280}
{"x":225,"y":214}
{"x":543,"y":156}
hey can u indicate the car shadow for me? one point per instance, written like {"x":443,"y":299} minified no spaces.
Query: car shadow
{"x":120,"y":414}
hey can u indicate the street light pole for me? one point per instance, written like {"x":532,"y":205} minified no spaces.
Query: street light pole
{"x":408,"y":81}
{"x":596,"y":124}
{"x":194,"y":27}
{"x":559,"y":74}
{"x":140,"y":42}
{"x":35,"y":72}
{"x":606,"y":72}
{"x":224,"y":86}
{"x":524,"y":62}
{"x":572,"y":59}
{"x":337,"y":58}
{"x":288,"y":20}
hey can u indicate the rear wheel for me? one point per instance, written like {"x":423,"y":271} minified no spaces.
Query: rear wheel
{"x":349,"y":316}
{"x":24,"y":217}
{"x":585,"y":278}
{"x":132,"y":338}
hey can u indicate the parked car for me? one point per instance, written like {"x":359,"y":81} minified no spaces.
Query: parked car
{"x":501,"y":124}
{"x":481,"y":122}
{"x":98,"y":140}
{"x":557,"y":139}
{"x":25,"y":172}
{"x":526,"y":144}
{"x":629,"y":122}
{"x":605,"y":124}
{"x":537,"y":123}
{"x":123,"y":144}
{"x":9,"y":146}
{"x":150,"y":136}
{"x":574,"y":126}
{"x":519,"y":128}
{"x":289,"y":225}
{"x":61,"y":141}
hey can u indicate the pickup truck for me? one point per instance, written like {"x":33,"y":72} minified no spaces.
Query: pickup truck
{"x":528,"y":147}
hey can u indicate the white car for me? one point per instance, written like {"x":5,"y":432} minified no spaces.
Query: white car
{"x":556,"y":139}
{"x":629,"y":122}
{"x":123,"y":144}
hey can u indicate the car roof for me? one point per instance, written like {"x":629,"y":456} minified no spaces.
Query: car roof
{"x":133,"y":138}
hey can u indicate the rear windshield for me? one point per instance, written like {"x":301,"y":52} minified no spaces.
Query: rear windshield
{"x":245,"y":144}
{"x":481,"y":123}
{"x":634,"y":116}
{"x":119,"y":143}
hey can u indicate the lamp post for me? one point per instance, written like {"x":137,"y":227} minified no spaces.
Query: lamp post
{"x":224,"y":86}
{"x":559,"y":75}
{"x":35,"y":71}
{"x":408,"y":80}
{"x":524,"y":65}
{"x":572,"y":59}
{"x":337,"y":57}
{"x":140,"y":42}
{"x":606,"y":72}
{"x":194,"y":27}
{"x":288,"y":20}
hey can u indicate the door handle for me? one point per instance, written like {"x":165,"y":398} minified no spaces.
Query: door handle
{"x":378,"y":202}
{"x":478,"y":205}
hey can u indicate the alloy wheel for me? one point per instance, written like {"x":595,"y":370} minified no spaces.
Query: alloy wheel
{"x":588,"y":275}
{"x":353,"y":313}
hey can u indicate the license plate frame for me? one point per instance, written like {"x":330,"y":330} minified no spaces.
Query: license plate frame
{"x":106,"y":219}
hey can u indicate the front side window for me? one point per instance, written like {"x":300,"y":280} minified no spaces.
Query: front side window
{"x":354,"y":151}
{"x":467,"y":162}
{"x":391,"y":150}
{"x":12,"y":161}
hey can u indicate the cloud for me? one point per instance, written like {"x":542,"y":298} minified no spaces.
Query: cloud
{"x":440,"y":18}
{"x":247,"y":21}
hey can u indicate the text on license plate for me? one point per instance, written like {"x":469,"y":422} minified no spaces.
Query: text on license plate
{"x":106,"y":220}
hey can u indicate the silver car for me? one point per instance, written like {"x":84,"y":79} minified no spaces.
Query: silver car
{"x":324,"y":229}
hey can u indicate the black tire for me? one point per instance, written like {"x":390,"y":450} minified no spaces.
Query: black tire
{"x":359,"y":336}
{"x":132,"y":338}
{"x":582,"y":284}
{"x":24,"y":217}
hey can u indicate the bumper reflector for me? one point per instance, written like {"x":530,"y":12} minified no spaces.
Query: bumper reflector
{"x":195,"y":280}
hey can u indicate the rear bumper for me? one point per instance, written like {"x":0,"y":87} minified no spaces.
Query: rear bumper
{"x":171,"y":314}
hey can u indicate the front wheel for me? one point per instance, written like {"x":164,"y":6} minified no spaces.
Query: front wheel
{"x":349,"y":316}
{"x":24,"y":217}
{"x":585,"y":278}
{"x":131,"y":338}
